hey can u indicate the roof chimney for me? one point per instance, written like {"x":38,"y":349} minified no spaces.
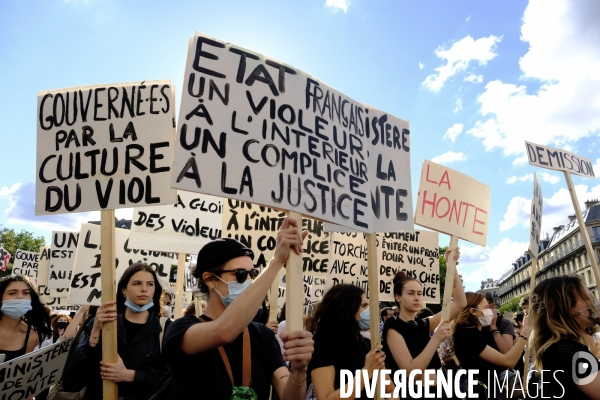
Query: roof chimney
{"x":557,"y":228}
{"x":572,"y":217}
{"x":590,"y":203}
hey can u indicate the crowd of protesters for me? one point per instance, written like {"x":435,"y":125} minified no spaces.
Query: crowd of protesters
{"x":227,"y":348}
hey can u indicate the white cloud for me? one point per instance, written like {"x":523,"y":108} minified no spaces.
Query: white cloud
{"x":458,"y":58}
{"x":517,"y":213}
{"x":563,"y":55}
{"x":553,"y":179}
{"x":421,"y":65}
{"x":520,"y":160}
{"x":468,"y":18}
{"x":458,"y":106}
{"x":20,"y":211}
{"x":453,"y":132}
{"x":479,"y":263}
{"x":337,"y":5}
{"x":449,"y":157}
{"x":524,"y":178}
{"x":474,"y":78}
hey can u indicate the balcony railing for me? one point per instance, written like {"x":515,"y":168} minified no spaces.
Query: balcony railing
{"x":560,"y":253}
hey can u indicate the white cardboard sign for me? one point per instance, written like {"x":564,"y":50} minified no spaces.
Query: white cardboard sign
{"x":348,"y":260}
{"x":64,"y":245}
{"x":26,"y":263}
{"x":254,"y":129}
{"x":560,"y":160}
{"x":453,"y":203}
{"x":104,"y":147}
{"x":535,"y":220}
{"x":86,"y":282}
{"x":184,"y":227}
{"x":50,"y":297}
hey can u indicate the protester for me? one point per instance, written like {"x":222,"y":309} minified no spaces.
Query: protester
{"x":504,"y":333}
{"x":524,"y":304}
{"x":386,"y":313}
{"x":407,"y":339}
{"x":59,"y":324}
{"x":167,"y":303}
{"x":24,"y":323}
{"x":337,"y":322}
{"x":140,"y":362}
{"x":198,"y":350}
{"x":517,"y":322}
{"x":564,"y":318}
{"x":476,"y":348}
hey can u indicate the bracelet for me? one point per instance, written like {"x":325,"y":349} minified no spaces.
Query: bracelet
{"x":524,"y":337}
{"x":495,"y":331}
{"x":294,"y":382}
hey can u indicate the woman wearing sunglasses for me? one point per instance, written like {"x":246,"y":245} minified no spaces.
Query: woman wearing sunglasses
{"x":222,"y":354}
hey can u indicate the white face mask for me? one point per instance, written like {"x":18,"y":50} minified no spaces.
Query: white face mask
{"x":488,"y":316}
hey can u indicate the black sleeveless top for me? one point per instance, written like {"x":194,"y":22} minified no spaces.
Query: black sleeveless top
{"x":12,"y":354}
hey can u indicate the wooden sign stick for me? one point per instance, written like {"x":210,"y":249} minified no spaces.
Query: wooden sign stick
{"x":294,"y":284}
{"x":532,"y":272}
{"x":179,"y":286}
{"x":273,"y":297}
{"x":109,"y":329}
{"x":450,"y":272}
{"x":582,"y":229}
{"x":373,"y":288}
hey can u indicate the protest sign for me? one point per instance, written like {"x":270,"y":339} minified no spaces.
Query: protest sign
{"x":257,"y":227}
{"x":4,"y":258}
{"x":26,"y":263}
{"x":535,"y":220}
{"x":50,"y":297}
{"x":453,"y":203}
{"x":348,"y":260}
{"x":254,"y":129}
{"x":64,"y":245}
{"x":26,"y":376}
{"x":559,"y":160}
{"x":85,"y":285}
{"x":104,"y":147}
{"x":183,"y":227}
{"x":417,"y":254}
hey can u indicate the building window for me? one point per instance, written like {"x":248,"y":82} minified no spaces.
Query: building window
{"x":589,"y":277}
{"x":596,"y":230}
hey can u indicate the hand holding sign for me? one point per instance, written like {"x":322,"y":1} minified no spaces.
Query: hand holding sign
{"x":287,"y":238}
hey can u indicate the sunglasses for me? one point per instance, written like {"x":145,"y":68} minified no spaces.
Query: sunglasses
{"x":241,"y":274}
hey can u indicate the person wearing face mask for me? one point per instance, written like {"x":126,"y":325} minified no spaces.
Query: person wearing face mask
{"x":408,"y":338}
{"x":337,"y":323}
{"x":140,"y":327}
{"x":476,"y":347}
{"x":167,"y":306}
{"x":564,"y":319}
{"x":24,"y":323}
{"x":59,"y":325}
{"x":222,"y":353}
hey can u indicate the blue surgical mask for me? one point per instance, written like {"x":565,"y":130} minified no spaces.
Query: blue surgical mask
{"x":16,"y":308}
{"x":365,"y":320}
{"x":137,"y":309}
{"x":235,"y":289}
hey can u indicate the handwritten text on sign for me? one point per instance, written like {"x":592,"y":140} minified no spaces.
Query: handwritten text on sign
{"x":64,"y":245}
{"x":26,"y":263}
{"x":453,"y":203}
{"x":417,"y":254}
{"x":28,"y":375}
{"x":104,"y":147}
{"x":557,"y":159}
{"x":254,"y":129}
{"x":86,"y":282}
{"x":535,"y":220}
{"x":51,"y":297}
{"x":183,"y":227}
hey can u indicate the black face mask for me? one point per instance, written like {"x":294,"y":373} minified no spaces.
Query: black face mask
{"x":62,"y":325}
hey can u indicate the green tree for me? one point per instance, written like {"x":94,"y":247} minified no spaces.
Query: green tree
{"x":442,"y":255}
{"x":512,"y":306}
{"x":24,"y":240}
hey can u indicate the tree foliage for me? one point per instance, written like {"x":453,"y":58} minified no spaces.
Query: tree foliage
{"x":512,"y":306}
{"x":24,"y":240}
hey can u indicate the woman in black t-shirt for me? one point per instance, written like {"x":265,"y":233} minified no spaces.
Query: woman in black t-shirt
{"x":563,"y":319}
{"x":336,"y":323}
{"x":408,"y":338}
{"x":476,"y":348}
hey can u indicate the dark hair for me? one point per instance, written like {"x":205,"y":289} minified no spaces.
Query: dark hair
{"x":518,"y":317}
{"x":335,"y":315}
{"x":425,"y":312}
{"x":124,"y":281}
{"x":56,"y":318}
{"x":488,"y":296}
{"x":399,"y":281}
{"x":37,"y":317}
{"x":384,"y":312}
{"x":524,"y":301}
{"x":282,"y":314}
{"x":191,"y":309}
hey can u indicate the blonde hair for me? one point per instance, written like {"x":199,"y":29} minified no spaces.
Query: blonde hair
{"x":551,"y":316}
{"x":465,"y":319}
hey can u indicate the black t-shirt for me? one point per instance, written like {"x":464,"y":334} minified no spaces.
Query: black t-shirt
{"x":203,"y":375}
{"x":340,"y":353}
{"x":131,"y":330}
{"x":415,"y":334}
{"x":468,"y":344}
{"x":558,"y":358}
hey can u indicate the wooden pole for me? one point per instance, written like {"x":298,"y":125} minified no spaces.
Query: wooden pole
{"x":373,"y":293}
{"x":533,"y":271}
{"x":583,"y":229}
{"x":450,"y":272}
{"x":109,"y":329}
{"x":273,"y":297}
{"x":179,"y":286}
{"x":294,"y":284}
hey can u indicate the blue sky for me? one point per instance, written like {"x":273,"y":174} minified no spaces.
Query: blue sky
{"x":473,"y":78}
